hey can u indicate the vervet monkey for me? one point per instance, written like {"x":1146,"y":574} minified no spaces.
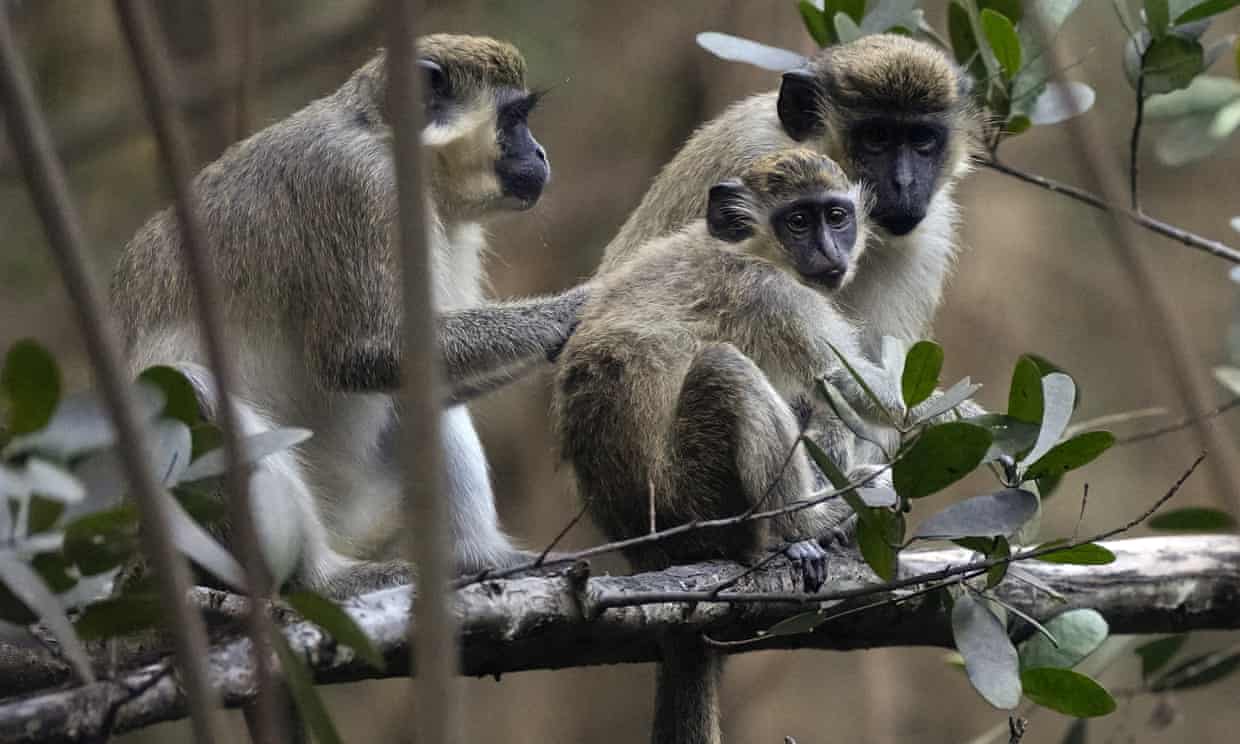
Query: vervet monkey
{"x":300,"y":220}
{"x":684,"y":383}
{"x":896,"y":114}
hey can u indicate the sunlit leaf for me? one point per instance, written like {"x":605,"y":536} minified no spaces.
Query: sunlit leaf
{"x":1060,"y":102}
{"x":1078,"y":632}
{"x":947,"y":400}
{"x":26,"y":585}
{"x":1226,"y":121}
{"x":1155,"y":654}
{"x":305,"y":696}
{"x":845,"y":413}
{"x":846,"y":29}
{"x":214,"y":463}
{"x":942,"y":455}
{"x":922,"y":365}
{"x":990,"y":660}
{"x":1001,"y":35}
{"x":1187,"y":140}
{"x":1009,"y":436}
{"x":1067,"y":692}
{"x":1088,"y":554}
{"x":1058,"y":397}
{"x":30,"y":381}
{"x":1205,"y":9}
{"x":736,"y":49}
{"x":884,"y":15}
{"x":283,"y":539}
{"x":990,"y":515}
{"x":196,"y":543}
{"x":81,"y":424}
{"x":1205,"y":95}
{"x":1071,"y":454}
{"x":1194,"y":519}
{"x":45,"y":479}
{"x":330,"y":617}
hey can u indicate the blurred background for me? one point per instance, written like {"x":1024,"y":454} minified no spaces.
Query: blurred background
{"x":628,"y":86}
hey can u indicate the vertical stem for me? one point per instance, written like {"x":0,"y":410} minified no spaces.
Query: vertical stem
{"x":45,"y":175}
{"x":436,"y":689}
{"x":1134,"y":147}
{"x":152,"y":67}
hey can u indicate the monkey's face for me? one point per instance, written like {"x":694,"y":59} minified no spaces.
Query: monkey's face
{"x":817,"y":235}
{"x":901,"y":159}
{"x":522,"y":167}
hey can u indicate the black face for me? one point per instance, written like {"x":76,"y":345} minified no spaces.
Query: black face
{"x":522,"y":167}
{"x":818,"y":235}
{"x":901,"y":160}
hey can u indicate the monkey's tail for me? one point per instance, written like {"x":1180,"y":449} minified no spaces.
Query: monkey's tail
{"x":686,"y":706}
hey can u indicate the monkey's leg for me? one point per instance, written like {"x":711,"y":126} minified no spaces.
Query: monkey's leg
{"x":485,"y":347}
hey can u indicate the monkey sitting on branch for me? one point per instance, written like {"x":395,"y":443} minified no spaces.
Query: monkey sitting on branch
{"x":683,"y":392}
{"x":300,"y":219}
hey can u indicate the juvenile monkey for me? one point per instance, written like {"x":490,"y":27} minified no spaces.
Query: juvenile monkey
{"x":895,"y":113}
{"x":685,"y":379}
{"x":300,"y":222}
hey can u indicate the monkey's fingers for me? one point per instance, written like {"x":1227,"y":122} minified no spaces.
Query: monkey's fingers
{"x":809,"y":556}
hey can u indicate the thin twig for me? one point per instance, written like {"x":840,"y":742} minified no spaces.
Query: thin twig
{"x":45,"y":175}
{"x":975,"y":568}
{"x":1080,"y":518}
{"x":551,"y":545}
{"x":1134,"y":148}
{"x":1192,"y":240}
{"x":150,"y":61}
{"x":1183,"y":423}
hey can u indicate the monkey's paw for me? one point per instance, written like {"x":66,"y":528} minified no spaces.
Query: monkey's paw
{"x":566,"y":312}
{"x":809,"y":556}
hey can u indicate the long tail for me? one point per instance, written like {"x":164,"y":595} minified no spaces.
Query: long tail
{"x":686,"y":706}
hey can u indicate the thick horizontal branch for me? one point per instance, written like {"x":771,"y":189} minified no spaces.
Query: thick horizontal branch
{"x":1156,"y":585}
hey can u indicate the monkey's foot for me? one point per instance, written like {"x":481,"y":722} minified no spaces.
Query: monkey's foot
{"x":843,"y":535}
{"x":809,"y":556}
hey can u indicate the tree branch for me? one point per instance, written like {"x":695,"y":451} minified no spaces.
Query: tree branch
{"x":1156,"y":585}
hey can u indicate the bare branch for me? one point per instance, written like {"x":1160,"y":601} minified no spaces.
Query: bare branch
{"x":1183,"y":423}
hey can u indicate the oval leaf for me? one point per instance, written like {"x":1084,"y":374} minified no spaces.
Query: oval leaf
{"x":305,"y":695}
{"x":214,"y":463}
{"x":1079,"y":633}
{"x":1194,"y":519}
{"x":846,"y":29}
{"x":1089,"y":554}
{"x":1067,"y":692}
{"x":990,"y":515}
{"x":51,"y":481}
{"x":82,"y":424}
{"x":922,"y":365}
{"x":990,"y":660}
{"x":942,"y":455}
{"x":1025,"y":393}
{"x":1157,"y":17}
{"x":117,"y":616}
{"x":1058,"y":400}
{"x":795,"y":625}
{"x":945,"y":401}
{"x":180,"y":400}
{"x":1171,"y":63}
{"x":1001,"y":35}
{"x":1060,"y":102}
{"x":736,"y":49}
{"x":1187,"y":140}
{"x":873,"y":539}
{"x":1205,"y":9}
{"x":1206,"y":95}
{"x":101,"y":541}
{"x":196,"y":543}
{"x":815,"y":23}
{"x":26,"y":585}
{"x":1155,"y":654}
{"x":1008,"y":436}
{"x":30,"y":381}
{"x":330,"y":617}
{"x":1070,"y":455}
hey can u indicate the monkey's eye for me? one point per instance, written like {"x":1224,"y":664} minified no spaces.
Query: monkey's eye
{"x":797,"y":222}
{"x":874,"y":139}
{"x":837,"y":217}
{"x":923,"y":139}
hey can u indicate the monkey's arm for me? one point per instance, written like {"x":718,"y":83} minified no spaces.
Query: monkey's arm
{"x":485,"y":347}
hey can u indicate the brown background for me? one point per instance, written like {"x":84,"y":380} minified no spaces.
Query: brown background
{"x":628,"y":86}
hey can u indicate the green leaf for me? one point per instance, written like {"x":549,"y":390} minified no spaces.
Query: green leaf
{"x":942,"y":455}
{"x":996,"y":574}
{"x":54,"y":570}
{"x":180,"y":400}
{"x":816,"y":24}
{"x":1025,"y":393}
{"x":845,"y":413}
{"x":330,"y":617}
{"x":1198,"y":671}
{"x":863,"y":383}
{"x":30,"y":381}
{"x":990,"y":660}
{"x":1088,"y":554}
{"x":1067,"y":692}
{"x":922,"y":365}
{"x":736,"y":49}
{"x":886,"y":15}
{"x":1155,"y":654}
{"x":1017,"y":124}
{"x":1194,"y":519}
{"x":846,"y":29}
{"x":205,"y":437}
{"x":301,"y":685}
{"x":117,"y":616}
{"x":25,"y":584}
{"x":795,"y":625}
{"x":103,"y":540}
{"x":990,"y":515}
{"x":825,"y":463}
{"x":945,"y":401}
{"x":960,"y":31}
{"x":1171,"y":63}
{"x":1008,"y":436}
{"x":876,"y":537}
{"x":1205,"y":95}
{"x":82,"y":424}
{"x":1157,"y":17}
{"x":1010,"y":8}
{"x":1001,"y":35}
{"x":42,"y":513}
{"x":1079,"y":633}
{"x":1205,"y":9}
{"x":1071,"y":454}
{"x":854,"y":8}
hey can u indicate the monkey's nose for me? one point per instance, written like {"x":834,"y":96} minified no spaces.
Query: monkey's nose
{"x":540,"y":153}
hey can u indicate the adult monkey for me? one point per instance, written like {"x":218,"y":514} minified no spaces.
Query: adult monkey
{"x":896,"y":114}
{"x":300,"y":220}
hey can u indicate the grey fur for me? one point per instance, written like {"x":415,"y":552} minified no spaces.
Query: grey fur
{"x":300,"y":221}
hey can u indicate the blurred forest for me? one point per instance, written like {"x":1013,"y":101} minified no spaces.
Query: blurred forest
{"x":628,"y":85}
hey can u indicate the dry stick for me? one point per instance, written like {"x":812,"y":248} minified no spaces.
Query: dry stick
{"x":1213,"y":247}
{"x":49,"y":191}
{"x":606,"y":601}
{"x":819,"y":497}
{"x":1183,"y":423}
{"x":1134,"y":148}
{"x":152,"y":67}
{"x":1178,"y":354}
{"x":542,"y":557}
{"x":437,"y":690}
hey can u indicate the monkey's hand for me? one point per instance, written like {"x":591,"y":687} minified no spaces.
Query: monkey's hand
{"x":566,"y":313}
{"x":811,"y":559}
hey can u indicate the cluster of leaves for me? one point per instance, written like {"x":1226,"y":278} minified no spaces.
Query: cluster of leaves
{"x":68,"y":529}
{"x":1002,"y":44}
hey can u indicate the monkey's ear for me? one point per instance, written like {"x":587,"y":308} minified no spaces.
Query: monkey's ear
{"x":798,"y":105}
{"x":436,"y":80}
{"x":727,"y":213}
{"x":964,"y":83}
